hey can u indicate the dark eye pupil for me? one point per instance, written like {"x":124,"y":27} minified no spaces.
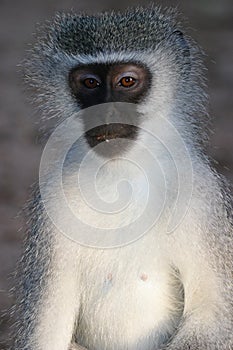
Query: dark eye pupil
{"x":127,"y":82}
{"x":91,"y":83}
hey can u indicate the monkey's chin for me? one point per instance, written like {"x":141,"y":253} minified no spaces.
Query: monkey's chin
{"x":111,"y":140}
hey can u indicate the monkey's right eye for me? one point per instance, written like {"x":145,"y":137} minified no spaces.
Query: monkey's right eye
{"x":91,"y":83}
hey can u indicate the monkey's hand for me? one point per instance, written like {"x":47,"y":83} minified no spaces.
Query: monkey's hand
{"x":194,"y":334}
{"x":75,"y":346}
{"x":192,"y":342}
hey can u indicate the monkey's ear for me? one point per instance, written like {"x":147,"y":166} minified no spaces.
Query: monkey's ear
{"x":181,"y":41}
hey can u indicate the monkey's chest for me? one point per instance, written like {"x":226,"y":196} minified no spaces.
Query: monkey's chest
{"x":128,"y":307}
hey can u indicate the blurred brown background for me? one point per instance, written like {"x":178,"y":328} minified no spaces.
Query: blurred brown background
{"x":210,"y":22}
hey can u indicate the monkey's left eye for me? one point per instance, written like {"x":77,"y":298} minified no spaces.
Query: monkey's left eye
{"x":91,"y":83}
{"x":127,"y":82}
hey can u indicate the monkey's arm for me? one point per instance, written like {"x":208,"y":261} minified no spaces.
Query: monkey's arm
{"x":208,"y":315}
{"x":48,"y":292}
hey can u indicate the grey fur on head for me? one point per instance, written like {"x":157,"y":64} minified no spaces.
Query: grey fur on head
{"x":139,"y":29}
{"x":134,"y":35}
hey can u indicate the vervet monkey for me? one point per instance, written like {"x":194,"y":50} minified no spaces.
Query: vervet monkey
{"x":165,"y":289}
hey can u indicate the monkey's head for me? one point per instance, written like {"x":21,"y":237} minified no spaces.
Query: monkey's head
{"x":139,"y":57}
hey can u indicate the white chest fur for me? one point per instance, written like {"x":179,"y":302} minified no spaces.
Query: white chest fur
{"x":130,"y":299}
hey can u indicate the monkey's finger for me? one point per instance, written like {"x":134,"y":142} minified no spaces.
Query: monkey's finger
{"x":74,"y":346}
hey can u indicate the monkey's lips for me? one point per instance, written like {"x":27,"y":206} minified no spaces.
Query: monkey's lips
{"x":107,"y":132}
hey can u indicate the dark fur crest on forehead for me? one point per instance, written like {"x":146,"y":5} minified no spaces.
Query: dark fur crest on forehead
{"x":134,"y":29}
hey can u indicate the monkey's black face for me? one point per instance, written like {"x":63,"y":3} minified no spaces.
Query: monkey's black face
{"x":102,"y":83}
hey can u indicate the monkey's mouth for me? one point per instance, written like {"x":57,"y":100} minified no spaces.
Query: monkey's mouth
{"x":107,"y":132}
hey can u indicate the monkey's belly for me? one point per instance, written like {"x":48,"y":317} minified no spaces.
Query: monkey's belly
{"x":137,"y":310}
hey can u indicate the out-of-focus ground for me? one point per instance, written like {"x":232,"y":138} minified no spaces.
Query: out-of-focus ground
{"x":212,"y":21}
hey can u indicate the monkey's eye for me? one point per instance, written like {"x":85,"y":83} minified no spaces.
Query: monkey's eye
{"x":91,"y":83}
{"x":127,"y":82}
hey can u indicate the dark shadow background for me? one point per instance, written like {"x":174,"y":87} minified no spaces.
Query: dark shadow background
{"x":210,"y":22}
